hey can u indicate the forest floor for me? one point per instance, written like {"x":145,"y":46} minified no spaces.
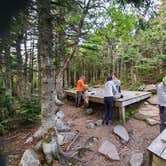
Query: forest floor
{"x":141,"y":135}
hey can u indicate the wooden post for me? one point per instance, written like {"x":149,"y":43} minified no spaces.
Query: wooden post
{"x":122,"y":114}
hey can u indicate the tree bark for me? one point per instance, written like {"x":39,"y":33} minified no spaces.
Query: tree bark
{"x":8,"y":83}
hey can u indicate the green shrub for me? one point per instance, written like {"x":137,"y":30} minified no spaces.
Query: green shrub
{"x":29,"y":109}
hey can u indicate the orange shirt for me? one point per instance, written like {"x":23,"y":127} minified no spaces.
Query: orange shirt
{"x":80,"y":85}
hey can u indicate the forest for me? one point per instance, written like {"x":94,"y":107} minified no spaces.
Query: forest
{"x":46,"y":45}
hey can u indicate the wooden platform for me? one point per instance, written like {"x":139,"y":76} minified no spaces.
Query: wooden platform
{"x":158,"y":149}
{"x":129,"y":97}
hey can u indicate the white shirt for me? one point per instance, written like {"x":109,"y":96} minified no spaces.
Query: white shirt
{"x":161,"y":94}
{"x":110,"y":89}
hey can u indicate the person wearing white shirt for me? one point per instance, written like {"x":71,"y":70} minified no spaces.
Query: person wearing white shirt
{"x":109,"y":93}
{"x":161,"y":97}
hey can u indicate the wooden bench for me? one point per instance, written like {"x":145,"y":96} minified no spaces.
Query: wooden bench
{"x":129,"y":97}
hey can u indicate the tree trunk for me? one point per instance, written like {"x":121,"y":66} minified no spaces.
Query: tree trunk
{"x":19,"y":66}
{"x":8,"y":83}
{"x":47,"y":80}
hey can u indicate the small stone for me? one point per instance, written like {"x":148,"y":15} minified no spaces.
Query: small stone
{"x":89,"y":121}
{"x":29,"y":140}
{"x":60,"y":115}
{"x":142,"y":87}
{"x":99,"y":122}
{"x":146,"y":103}
{"x":152,"y":122}
{"x":89,"y":111}
{"x":121,"y":132}
{"x":13,"y":156}
{"x":90,"y":125}
{"x":136,"y":159}
{"x":29,"y":158}
{"x":109,"y":150}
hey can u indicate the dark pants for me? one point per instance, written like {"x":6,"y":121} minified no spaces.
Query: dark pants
{"x":162,"y":110}
{"x":109,"y":107}
{"x":78,"y":98}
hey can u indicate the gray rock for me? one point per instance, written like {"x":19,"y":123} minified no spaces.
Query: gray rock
{"x":150,"y":88}
{"x":38,"y":134}
{"x":13,"y":157}
{"x":99,"y":122}
{"x":89,"y":121}
{"x":121,"y":132}
{"x":65,"y":137}
{"x":29,"y":158}
{"x":136,"y":159}
{"x":89,"y":111}
{"x":143,"y":115}
{"x":109,"y":150}
{"x":146,"y":103}
{"x":153,"y":100}
{"x":90,"y":125}
{"x":50,"y":150}
{"x":29,"y":140}
{"x":152,"y":122}
{"x":60,"y":115}
{"x":59,"y":124}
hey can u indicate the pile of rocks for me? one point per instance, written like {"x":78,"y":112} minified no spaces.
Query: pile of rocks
{"x":108,"y":149}
{"x":63,"y":136}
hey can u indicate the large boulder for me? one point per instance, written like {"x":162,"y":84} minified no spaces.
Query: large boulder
{"x":152,"y":122}
{"x":150,"y":88}
{"x":108,"y":149}
{"x":121,"y":132}
{"x":136,"y":159}
{"x":29,"y":158}
{"x":145,"y":113}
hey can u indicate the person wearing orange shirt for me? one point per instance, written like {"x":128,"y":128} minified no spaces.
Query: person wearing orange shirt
{"x":81,"y":86}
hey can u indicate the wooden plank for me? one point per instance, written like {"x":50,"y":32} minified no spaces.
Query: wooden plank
{"x":158,"y":146}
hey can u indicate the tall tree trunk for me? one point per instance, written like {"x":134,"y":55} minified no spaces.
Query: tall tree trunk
{"x":47,"y":79}
{"x":19,"y":67}
{"x":8,"y":83}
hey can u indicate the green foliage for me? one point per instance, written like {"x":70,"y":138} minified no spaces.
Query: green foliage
{"x":29,"y":109}
{"x":7,"y":106}
{"x":7,"y":110}
{"x":22,"y":111}
{"x":130,"y":112}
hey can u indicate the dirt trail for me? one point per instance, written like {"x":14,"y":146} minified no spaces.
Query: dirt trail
{"x":141,"y":135}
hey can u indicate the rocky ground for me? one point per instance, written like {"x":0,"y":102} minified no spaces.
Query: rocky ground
{"x":92,"y":135}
